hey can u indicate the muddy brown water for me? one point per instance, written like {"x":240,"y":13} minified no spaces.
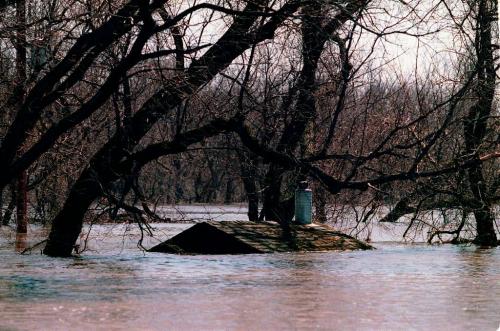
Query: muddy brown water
{"x":116,"y":286}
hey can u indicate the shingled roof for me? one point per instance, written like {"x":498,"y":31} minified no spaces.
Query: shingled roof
{"x":243,"y":237}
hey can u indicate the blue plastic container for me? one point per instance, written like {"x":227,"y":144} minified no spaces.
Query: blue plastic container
{"x":303,"y":204}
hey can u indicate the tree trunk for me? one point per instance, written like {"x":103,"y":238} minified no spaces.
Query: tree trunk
{"x":476,"y":123}
{"x":253,"y":204}
{"x":248,"y":176}
{"x":22,"y":203}
{"x":2,"y":189}
{"x":22,"y":180}
{"x":10,"y":208}
{"x":320,"y":204}
{"x":485,"y":227}
{"x":228,"y":196}
{"x":272,"y":195}
{"x":67,"y":225}
{"x":485,"y":219}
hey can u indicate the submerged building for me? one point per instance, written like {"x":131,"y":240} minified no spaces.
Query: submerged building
{"x":243,"y":237}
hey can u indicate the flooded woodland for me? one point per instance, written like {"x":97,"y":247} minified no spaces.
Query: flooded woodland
{"x":115,"y":286}
{"x":301,"y":164}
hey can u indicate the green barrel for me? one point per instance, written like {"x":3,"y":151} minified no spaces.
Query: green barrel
{"x":303,"y":204}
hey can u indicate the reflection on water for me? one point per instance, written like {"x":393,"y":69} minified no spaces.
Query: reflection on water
{"x":116,"y":286}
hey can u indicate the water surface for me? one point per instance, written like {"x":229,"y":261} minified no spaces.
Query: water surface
{"x":116,"y":286}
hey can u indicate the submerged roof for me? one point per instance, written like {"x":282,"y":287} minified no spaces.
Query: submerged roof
{"x":243,"y":237}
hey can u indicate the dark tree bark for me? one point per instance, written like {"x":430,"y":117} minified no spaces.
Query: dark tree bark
{"x":10,"y":208}
{"x":22,"y":179}
{"x":476,"y":123}
{"x":127,"y":101}
{"x":1,"y":205}
{"x":248,"y":166}
{"x":22,"y":203}
{"x":320,"y":204}
{"x":229,"y":193}
{"x":64,"y":233}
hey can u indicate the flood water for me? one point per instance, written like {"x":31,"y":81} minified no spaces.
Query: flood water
{"x":116,"y":286}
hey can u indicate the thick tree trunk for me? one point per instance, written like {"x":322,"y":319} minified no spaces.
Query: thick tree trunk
{"x":485,"y":219}
{"x":272,"y":195}
{"x":476,"y":123}
{"x":485,"y":227}
{"x":67,"y":225}
{"x":100,"y":173}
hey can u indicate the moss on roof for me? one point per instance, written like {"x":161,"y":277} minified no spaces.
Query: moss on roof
{"x":243,"y":237}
